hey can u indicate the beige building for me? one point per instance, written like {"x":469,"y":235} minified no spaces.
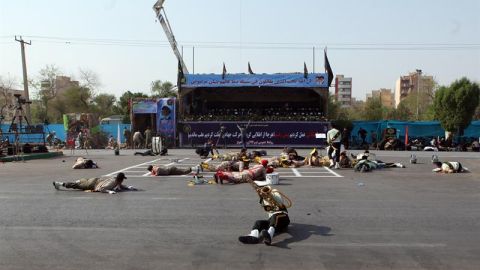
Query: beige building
{"x":412,"y":83}
{"x":343,"y":91}
{"x":384,"y":95}
{"x":60,"y":85}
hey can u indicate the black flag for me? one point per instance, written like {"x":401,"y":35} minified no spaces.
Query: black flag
{"x":305,"y":70}
{"x":224,"y":72}
{"x":250,"y":69}
{"x":180,"y":76}
{"x":328,"y":68}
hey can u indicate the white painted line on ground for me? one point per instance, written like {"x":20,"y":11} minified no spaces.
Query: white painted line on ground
{"x":334,"y":173}
{"x":134,"y":166}
{"x":315,"y":172}
{"x":296,"y":172}
{"x":143,"y":164}
{"x":363,"y":245}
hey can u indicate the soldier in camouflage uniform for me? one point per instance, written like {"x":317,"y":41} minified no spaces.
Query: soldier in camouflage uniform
{"x":97,"y":184}
{"x":168,"y":170}
{"x":257,"y":172}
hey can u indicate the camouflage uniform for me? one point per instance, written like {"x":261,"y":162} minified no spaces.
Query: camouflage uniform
{"x":169,"y":170}
{"x":97,"y":184}
{"x":257,"y":172}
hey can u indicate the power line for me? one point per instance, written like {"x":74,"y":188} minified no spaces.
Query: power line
{"x":380,"y":46}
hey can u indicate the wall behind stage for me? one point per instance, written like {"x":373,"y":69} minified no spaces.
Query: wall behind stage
{"x":59,"y":130}
{"x":259,"y":134}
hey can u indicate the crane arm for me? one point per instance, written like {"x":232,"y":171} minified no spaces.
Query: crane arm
{"x":162,"y":18}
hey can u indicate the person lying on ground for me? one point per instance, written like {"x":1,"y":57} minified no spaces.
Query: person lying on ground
{"x":108,"y":184}
{"x":291,"y":153}
{"x":257,"y":172}
{"x":163,"y":152}
{"x":448,"y":167}
{"x":381,"y":164}
{"x":242,"y":155}
{"x":83,"y":163}
{"x":171,"y":170}
{"x":231,"y":165}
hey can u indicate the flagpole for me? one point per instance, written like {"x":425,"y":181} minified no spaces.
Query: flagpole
{"x":119,"y":140}
{"x":313,"y":59}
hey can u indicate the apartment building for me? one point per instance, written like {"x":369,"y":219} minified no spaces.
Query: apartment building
{"x":384,"y":95}
{"x":343,"y":91}
{"x":411,"y":83}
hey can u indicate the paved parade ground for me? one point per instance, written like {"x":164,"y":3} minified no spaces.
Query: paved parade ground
{"x":398,"y":218}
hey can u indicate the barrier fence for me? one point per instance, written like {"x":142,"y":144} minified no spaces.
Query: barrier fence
{"x":425,"y":129}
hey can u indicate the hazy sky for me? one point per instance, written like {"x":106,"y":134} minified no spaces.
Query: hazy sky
{"x":372,"y":41}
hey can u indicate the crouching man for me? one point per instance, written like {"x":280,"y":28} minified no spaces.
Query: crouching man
{"x":109,"y":185}
{"x":448,"y":167}
{"x":275,"y":204}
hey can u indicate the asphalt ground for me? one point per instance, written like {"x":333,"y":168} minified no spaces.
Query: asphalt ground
{"x":393,"y":218}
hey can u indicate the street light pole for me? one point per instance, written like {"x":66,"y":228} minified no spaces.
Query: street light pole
{"x":419,"y":74}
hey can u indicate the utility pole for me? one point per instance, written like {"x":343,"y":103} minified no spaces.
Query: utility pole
{"x":419,"y":79}
{"x":313,"y":57}
{"x":25,"y":79}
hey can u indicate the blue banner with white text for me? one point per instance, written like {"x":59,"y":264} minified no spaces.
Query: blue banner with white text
{"x":259,"y":134}
{"x":314,"y":80}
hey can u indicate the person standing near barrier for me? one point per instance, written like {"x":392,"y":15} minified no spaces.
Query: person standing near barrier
{"x":148,"y":138}
{"x":223,"y":129}
{"x":333,"y":140}
{"x":363,"y":135}
{"x":137,"y":139}
{"x":243,"y":134}
{"x":346,"y":138}
{"x":127,"y":134}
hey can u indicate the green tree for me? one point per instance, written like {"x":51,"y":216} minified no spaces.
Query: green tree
{"x":374,"y":110}
{"x":78,"y":99}
{"x":163,"y":89}
{"x":6,"y":84}
{"x":333,"y":107}
{"x":356,"y":111}
{"x":402,"y":113}
{"x":46,"y":89}
{"x":455,"y":105}
{"x":104,"y":104}
{"x":123,"y":104}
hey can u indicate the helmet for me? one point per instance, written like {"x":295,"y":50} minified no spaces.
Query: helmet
{"x":121,"y":176}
